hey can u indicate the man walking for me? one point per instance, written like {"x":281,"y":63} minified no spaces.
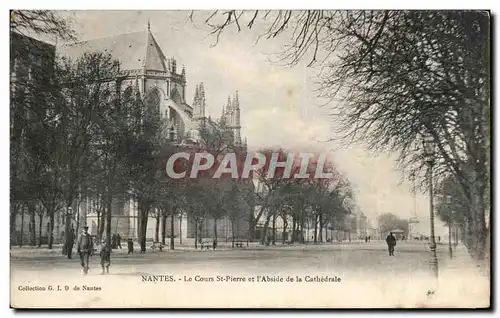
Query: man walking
{"x":85,"y":248}
{"x":391,"y":242}
{"x":119,"y":240}
{"x":130,"y":245}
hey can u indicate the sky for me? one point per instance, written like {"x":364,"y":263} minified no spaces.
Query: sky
{"x":278,"y":103}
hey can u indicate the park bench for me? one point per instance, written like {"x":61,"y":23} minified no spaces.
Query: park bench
{"x":157,"y":246}
{"x":207,"y":245}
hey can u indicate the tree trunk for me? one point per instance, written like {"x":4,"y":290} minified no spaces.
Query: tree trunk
{"x":215,"y":230}
{"x":67,"y":227}
{"x":302,"y":224}
{"x":285,"y":225}
{"x":142,"y":219}
{"x":252,"y":223}
{"x":13,"y":214}
{"x":32,"y":212}
{"x":163,"y":226}
{"x":449,"y":240}
{"x":264,"y":231}
{"x":22,"y":227}
{"x":195,"y":234}
{"x":180,"y":229}
{"x":40,"y":230}
{"x":315,"y":229}
{"x":294,"y":230}
{"x":321,"y":226}
{"x":102,"y":222}
{"x":274,"y":228}
{"x":51,"y":229}
{"x":172,"y":223}
{"x":157,"y":228}
{"x":200,"y":231}
{"x":109,"y":205}
{"x":232,"y":233}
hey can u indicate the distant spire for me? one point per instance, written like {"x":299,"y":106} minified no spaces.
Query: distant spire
{"x":174,"y":65}
{"x":202,"y":91}
{"x":228,"y":103}
{"x":236,"y":102}
{"x":196,"y":94}
{"x":183,"y":71}
{"x":149,"y":25}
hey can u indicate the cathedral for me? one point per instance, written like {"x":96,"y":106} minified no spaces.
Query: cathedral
{"x":159,"y":79}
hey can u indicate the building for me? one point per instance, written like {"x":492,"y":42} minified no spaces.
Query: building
{"x":31,"y":66}
{"x":146,"y":69}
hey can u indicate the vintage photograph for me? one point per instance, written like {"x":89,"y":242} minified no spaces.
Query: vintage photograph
{"x":250,"y":159}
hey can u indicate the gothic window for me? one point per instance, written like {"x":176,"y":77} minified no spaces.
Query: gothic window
{"x":154,"y":100}
{"x":176,"y":97}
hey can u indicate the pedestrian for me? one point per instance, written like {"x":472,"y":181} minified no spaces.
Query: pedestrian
{"x":391,"y":243}
{"x":113,"y":241}
{"x":130,"y":245}
{"x":105,"y":255}
{"x":70,"y":243}
{"x":119,"y":240}
{"x":85,"y":247}
{"x":366,"y":239}
{"x":215,"y":244}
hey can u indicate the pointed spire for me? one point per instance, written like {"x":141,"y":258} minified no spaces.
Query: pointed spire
{"x":236,"y":101}
{"x":174,"y":65}
{"x":149,"y":25}
{"x":202,"y":91}
{"x":196,"y":94}
{"x":228,"y":104}
{"x":183,"y":72}
{"x":223,"y":112}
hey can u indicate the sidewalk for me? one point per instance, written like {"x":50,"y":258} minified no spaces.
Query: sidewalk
{"x":32,"y":251}
{"x":463,"y":260}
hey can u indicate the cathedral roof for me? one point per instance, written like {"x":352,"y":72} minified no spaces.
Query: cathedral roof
{"x":133,"y":50}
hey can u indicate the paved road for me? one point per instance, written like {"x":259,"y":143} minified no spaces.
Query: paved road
{"x":363,"y":256}
{"x":366,"y":269}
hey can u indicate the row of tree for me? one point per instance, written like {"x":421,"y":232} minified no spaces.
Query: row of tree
{"x":394,"y":77}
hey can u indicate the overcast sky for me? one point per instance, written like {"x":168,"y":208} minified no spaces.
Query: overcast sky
{"x":278,"y":105}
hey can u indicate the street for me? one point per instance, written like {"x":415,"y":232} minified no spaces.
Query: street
{"x":368,"y":277}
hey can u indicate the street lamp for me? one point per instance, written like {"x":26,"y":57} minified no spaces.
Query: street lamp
{"x":448,"y":206}
{"x":429,"y":151}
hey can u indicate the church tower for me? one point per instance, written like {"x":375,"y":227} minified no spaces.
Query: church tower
{"x":231,"y":116}
{"x":235,"y":125}
{"x":199,"y":103}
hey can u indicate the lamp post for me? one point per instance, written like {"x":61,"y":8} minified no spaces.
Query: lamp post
{"x":429,"y":152}
{"x":448,"y":206}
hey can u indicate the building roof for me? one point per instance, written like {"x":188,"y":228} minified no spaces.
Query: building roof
{"x":133,"y":50}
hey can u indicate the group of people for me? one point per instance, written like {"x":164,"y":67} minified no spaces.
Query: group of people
{"x":85,"y":248}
